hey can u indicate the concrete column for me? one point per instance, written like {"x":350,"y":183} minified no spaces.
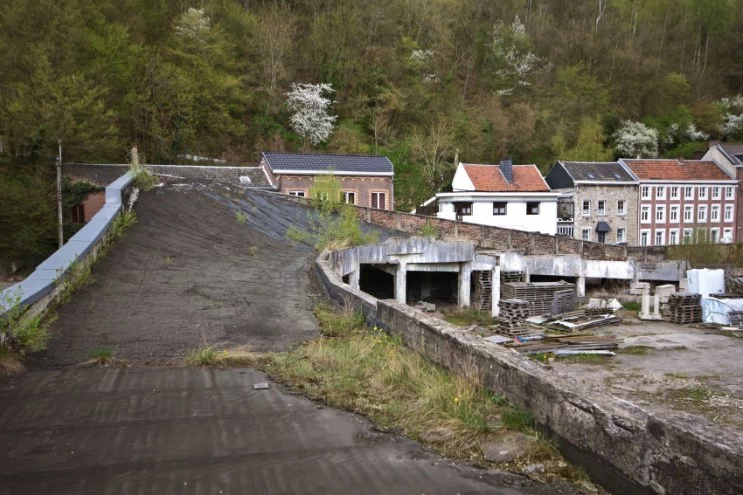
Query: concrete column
{"x":354,"y":279}
{"x":495,"y":296}
{"x":656,"y":306}
{"x":465,"y":276}
{"x":581,"y":286}
{"x":645,"y":313}
{"x":527,"y":273}
{"x":401,"y":283}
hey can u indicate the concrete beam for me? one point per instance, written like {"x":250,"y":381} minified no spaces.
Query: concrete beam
{"x":354,"y":279}
{"x":580,"y":286}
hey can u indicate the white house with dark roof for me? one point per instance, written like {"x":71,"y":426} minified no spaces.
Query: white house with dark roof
{"x":598,"y":203}
{"x":505,"y":195}
{"x":366,"y":180}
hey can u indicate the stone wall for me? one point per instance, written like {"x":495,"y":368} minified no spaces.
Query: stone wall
{"x":620,"y":444}
{"x":610,"y":194}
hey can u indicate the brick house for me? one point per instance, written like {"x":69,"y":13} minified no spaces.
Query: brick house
{"x":599,"y":201}
{"x":730,"y":157}
{"x":84,"y":211}
{"x":678,"y":197}
{"x":366,"y":180}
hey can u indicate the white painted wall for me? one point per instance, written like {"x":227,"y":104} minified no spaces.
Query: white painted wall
{"x":462,"y":181}
{"x":515,"y":218}
{"x":716,"y":155}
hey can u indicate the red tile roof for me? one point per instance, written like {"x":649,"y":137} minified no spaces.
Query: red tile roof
{"x":488,"y":178}
{"x":673,"y":170}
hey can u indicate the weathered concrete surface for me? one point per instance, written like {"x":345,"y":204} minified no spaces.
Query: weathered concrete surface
{"x":155,"y":430}
{"x":627,"y":448}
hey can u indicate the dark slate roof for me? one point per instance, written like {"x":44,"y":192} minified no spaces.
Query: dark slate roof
{"x":598,"y":171}
{"x":734,"y":152}
{"x":316,"y":162}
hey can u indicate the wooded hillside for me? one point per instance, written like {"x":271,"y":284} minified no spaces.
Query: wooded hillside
{"x":417,"y":80}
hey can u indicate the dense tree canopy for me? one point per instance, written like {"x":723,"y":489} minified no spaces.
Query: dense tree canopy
{"x":423,"y":81}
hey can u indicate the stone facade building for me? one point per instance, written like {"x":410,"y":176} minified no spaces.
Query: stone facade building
{"x":365,"y":180}
{"x":598,"y":203}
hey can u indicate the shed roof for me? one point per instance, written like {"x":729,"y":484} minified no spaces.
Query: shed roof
{"x":325,"y":163}
{"x":489,"y":178}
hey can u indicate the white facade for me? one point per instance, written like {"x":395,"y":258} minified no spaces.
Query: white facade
{"x":543,"y":220}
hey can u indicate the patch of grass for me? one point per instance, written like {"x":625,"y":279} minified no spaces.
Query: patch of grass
{"x":517,"y":419}
{"x":677,"y":376}
{"x":241,"y":217}
{"x":10,"y":362}
{"x":467,"y":316}
{"x":632,"y":306}
{"x":253,"y":250}
{"x":24,"y":332}
{"x":224,"y":358}
{"x":102,"y":356}
{"x":168,"y":262}
{"x":594,"y":359}
{"x":635,"y":350}
{"x":693,"y":395}
{"x":429,"y":229}
{"x":122,"y":223}
{"x":542,"y":357}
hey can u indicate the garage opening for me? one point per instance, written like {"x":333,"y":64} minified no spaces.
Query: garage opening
{"x":376,"y":282}
{"x":439,"y":288}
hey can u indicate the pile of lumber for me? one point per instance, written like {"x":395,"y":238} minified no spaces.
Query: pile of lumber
{"x":506,"y":277}
{"x":483,"y":290}
{"x":685,"y":308}
{"x":569,"y":344}
{"x":540,"y":295}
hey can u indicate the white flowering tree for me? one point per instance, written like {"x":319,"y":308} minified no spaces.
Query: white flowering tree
{"x":732,"y":124}
{"x":515,"y":61}
{"x":636,"y":140}
{"x":193,"y":25}
{"x":309,"y":105}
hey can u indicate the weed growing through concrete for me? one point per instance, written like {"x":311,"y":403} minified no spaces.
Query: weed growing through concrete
{"x":213,"y":356}
{"x":367,"y":371}
{"x":253,"y":250}
{"x":168,"y":261}
{"x":429,"y":229}
{"x":143,"y":179}
{"x":241,"y":217}
{"x":22,"y":332}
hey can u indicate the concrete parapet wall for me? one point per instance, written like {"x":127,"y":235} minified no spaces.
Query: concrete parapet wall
{"x":627,"y":448}
{"x":38,"y":289}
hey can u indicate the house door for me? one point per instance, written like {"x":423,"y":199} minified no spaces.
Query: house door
{"x":602,"y":237}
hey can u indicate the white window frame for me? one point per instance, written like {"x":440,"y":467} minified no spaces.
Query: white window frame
{"x":623,"y":237}
{"x":660,"y":192}
{"x":716,"y":192}
{"x":585,"y":234}
{"x":346,"y":194}
{"x":673,"y":236}
{"x":645,"y":237}
{"x":714,"y":214}
{"x":688,"y":236}
{"x":660,"y":214}
{"x":599,"y":209}
{"x":690,"y":210}
{"x":727,"y":233}
{"x":729,"y":213}
{"x":702,"y":192}
{"x":646,"y":192}
{"x":583,"y":208}
{"x":623,"y":209}
{"x":674,"y":192}
{"x":702,"y":213}
{"x":729,"y":192}
{"x":645,"y":214}
{"x":674,"y":213}
{"x":689,"y":192}
{"x":662,"y":234}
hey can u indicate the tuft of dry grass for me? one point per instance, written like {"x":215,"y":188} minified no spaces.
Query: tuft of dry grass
{"x":103,"y":357}
{"x":10,"y":363}
{"x":225,"y":358}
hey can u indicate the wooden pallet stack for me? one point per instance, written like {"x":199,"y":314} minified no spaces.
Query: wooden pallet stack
{"x":736,"y":319}
{"x":513,"y":312}
{"x":483,"y":290}
{"x":685,"y":308}
{"x":540,"y":295}
{"x":506,"y":277}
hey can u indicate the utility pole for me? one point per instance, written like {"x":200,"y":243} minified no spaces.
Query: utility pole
{"x":59,"y":194}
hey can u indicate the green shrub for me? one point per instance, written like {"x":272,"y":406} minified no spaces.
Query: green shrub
{"x":429,"y":229}
{"x":25,"y":333}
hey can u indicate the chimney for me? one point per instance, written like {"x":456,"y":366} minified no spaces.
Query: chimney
{"x":506,"y":168}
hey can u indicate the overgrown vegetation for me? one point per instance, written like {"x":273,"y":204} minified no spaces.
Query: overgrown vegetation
{"x":632,"y":306}
{"x":143,"y":179}
{"x":467,"y":316}
{"x":699,"y":251}
{"x":367,"y":371}
{"x":241,"y":217}
{"x":213,"y":356}
{"x":429,"y":229}
{"x":332,"y":224}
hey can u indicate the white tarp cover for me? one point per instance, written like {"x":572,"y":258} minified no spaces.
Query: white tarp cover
{"x":716,"y":310}
{"x":706,"y":282}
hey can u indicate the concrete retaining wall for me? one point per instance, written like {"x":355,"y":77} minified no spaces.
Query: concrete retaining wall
{"x":621,"y":445}
{"x":38,"y":289}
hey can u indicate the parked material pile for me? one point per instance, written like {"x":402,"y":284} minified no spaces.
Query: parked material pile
{"x":685,"y":308}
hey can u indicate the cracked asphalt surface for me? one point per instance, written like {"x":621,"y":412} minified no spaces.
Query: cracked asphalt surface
{"x":185,"y":275}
